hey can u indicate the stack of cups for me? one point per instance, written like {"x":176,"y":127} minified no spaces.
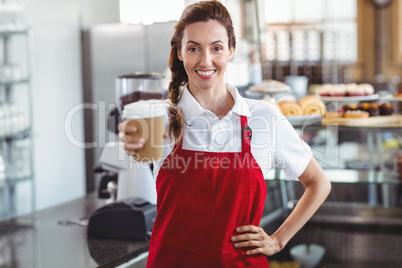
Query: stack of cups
{"x":149,"y":119}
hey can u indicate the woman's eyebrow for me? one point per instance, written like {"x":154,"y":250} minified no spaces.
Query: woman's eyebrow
{"x":196,"y":43}
{"x":216,"y":42}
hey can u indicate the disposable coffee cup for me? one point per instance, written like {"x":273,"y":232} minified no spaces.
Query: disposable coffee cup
{"x":149,"y":119}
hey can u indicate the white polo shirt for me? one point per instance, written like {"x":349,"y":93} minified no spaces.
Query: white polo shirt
{"x":274,"y":141}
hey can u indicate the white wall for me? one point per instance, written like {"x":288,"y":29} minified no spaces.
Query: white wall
{"x":98,"y":12}
{"x":56,"y":87}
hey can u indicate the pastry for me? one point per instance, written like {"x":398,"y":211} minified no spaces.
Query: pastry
{"x":363,"y":106}
{"x":329,"y":115}
{"x":371,"y":108}
{"x":350,"y":89}
{"x":312,"y":105}
{"x":386,"y":108}
{"x":290,"y":108}
{"x":308,"y":98}
{"x":349,"y":107}
{"x":368,"y":88}
{"x":398,"y":95}
{"x":356,"y":114}
{"x":338,"y":90}
{"x":354,"y":90}
{"x":325,"y":90}
{"x":270,"y":86}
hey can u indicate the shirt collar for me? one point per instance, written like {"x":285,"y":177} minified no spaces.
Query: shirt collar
{"x":240,"y":107}
{"x":192,"y":108}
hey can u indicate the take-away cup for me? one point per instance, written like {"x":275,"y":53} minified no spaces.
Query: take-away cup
{"x":149,"y":118}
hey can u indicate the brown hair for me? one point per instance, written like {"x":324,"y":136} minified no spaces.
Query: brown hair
{"x":201,"y":11}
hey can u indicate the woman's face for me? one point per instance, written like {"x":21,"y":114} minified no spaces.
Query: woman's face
{"x":205,"y":53}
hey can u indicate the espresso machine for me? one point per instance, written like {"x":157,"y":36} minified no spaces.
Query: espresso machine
{"x":129,"y":185}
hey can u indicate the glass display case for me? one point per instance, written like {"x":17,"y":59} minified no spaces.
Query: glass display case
{"x":364,"y":208}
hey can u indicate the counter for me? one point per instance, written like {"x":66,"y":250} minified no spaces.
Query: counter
{"x":54,"y":238}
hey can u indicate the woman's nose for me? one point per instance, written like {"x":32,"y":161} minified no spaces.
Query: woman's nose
{"x":206,"y":58}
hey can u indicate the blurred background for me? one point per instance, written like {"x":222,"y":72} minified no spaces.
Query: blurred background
{"x":59,"y":60}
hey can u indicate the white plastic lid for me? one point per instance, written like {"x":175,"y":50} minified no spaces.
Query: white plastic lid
{"x":145,"y":109}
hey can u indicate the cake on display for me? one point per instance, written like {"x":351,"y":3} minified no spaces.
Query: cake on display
{"x":344,"y":90}
{"x":270,"y":87}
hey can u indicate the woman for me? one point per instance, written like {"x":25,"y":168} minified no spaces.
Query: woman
{"x":210,"y":184}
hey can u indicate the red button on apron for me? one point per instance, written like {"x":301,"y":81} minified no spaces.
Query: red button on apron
{"x":199,"y":207}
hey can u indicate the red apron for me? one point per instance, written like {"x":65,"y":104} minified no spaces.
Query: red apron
{"x":201,"y":204}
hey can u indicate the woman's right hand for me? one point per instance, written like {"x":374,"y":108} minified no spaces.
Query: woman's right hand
{"x":128,"y":135}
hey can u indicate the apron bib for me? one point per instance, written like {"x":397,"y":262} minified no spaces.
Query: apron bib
{"x":200,"y":206}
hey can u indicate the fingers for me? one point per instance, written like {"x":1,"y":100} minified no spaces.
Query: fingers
{"x":133,"y":147}
{"x":130,"y":139}
{"x":253,"y":236}
{"x":132,"y":142}
{"x":252,"y":233}
{"x":254,"y":251}
{"x":127,"y":129}
{"x":246,"y":237}
{"x":251,"y":243}
{"x":249,"y":228}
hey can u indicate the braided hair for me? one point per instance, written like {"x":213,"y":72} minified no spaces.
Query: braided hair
{"x":199,"y":12}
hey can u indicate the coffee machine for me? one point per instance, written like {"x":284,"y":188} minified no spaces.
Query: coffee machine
{"x":134,"y":179}
{"x":130,"y":211}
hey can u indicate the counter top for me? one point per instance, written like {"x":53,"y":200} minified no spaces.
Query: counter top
{"x":57,"y":237}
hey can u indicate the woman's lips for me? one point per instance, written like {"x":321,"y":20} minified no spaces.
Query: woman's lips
{"x":205,"y":74}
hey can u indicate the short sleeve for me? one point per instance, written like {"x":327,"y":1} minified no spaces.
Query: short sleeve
{"x":292,"y":154}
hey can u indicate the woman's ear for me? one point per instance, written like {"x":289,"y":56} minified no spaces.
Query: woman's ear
{"x":231,"y":53}
{"x":179,"y":55}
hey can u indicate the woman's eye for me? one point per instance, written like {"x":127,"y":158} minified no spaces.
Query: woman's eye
{"x":217,"y":49}
{"x":192,"y":49}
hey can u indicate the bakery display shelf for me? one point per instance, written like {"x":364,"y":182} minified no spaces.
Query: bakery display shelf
{"x":350,"y":98}
{"x":391,"y":98}
{"x":4,"y":32}
{"x":357,"y":213}
{"x":381,"y":121}
{"x":26,"y":133}
{"x":304,"y":120}
{"x":13,"y":82}
{"x":263,"y":96}
{"x":350,"y":176}
{"x":11,"y":181}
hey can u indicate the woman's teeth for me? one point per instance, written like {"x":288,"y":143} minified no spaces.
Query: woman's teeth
{"x":205,"y":73}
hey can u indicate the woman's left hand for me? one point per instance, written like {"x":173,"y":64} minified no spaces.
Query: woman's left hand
{"x":256,"y":237}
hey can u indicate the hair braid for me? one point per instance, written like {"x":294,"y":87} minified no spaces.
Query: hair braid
{"x":177,"y":117}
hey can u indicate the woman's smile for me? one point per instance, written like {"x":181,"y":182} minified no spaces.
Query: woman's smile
{"x":205,"y":74}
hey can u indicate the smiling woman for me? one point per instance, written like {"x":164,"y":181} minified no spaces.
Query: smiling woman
{"x":210,"y":181}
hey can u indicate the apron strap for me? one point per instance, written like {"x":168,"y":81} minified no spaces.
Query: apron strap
{"x":246,"y":134}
